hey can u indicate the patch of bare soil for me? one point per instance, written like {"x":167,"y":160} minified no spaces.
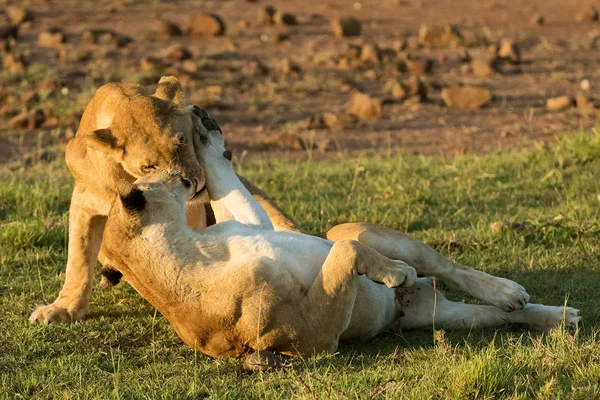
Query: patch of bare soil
{"x":327,"y":78}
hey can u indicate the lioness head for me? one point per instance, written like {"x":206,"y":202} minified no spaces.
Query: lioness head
{"x":142,"y":133}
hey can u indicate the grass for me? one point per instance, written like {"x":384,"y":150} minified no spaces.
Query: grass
{"x":550,"y":198}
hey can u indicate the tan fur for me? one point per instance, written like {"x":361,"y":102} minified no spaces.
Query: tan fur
{"x":241,"y":286}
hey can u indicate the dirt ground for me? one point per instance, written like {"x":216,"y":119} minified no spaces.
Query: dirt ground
{"x":269,"y":85}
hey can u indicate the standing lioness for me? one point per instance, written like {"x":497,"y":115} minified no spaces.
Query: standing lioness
{"x":240,"y":286}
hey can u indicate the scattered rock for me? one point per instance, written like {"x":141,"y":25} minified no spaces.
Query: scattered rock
{"x":176,"y":53}
{"x":364,"y":107}
{"x":559,"y":103}
{"x":509,"y":51}
{"x":466,"y":97}
{"x":255,"y":68}
{"x":168,"y":29}
{"x":190,"y":66}
{"x":588,"y":14}
{"x":14,"y":63}
{"x":28,"y":120}
{"x":537,"y":19}
{"x":266,"y":15}
{"x":17,"y":15}
{"x":352,"y":51}
{"x":288,"y":67}
{"x":151,"y":64}
{"x":399,"y":45}
{"x":585,"y":85}
{"x":53,"y":38}
{"x":205,"y":24}
{"x":584,"y":101}
{"x":8,"y":31}
{"x":481,"y":67}
{"x":262,"y":360}
{"x":284,"y":19}
{"x":346,"y":27}
{"x":398,"y":91}
{"x":370,"y":53}
{"x":440,"y":36}
{"x":30,"y":99}
{"x":419,"y":67}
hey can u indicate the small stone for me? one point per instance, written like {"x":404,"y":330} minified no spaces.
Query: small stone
{"x":440,"y":36}
{"x":585,"y":85}
{"x":284,"y":19}
{"x":14,"y":63}
{"x":281,"y":37}
{"x":509,"y":51}
{"x":419,"y":67}
{"x":266,"y":15}
{"x":53,"y":38}
{"x":537,"y":19}
{"x":399,"y":45}
{"x":288,"y":67}
{"x":168,"y":29}
{"x":414,"y":86}
{"x":285,"y":141}
{"x":262,"y":360}
{"x":17,"y":15}
{"x":364,"y":107}
{"x":346,"y":27}
{"x":176,"y":53}
{"x":497,"y":227}
{"x":583,"y":101}
{"x":205,"y":24}
{"x":466,"y":97}
{"x":255,"y":68}
{"x":588,"y":14}
{"x":370,"y":53}
{"x":189,"y":66}
{"x":559,"y":103}
{"x":482,"y":67}
{"x":398,"y":91}
{"x":151,"y":64}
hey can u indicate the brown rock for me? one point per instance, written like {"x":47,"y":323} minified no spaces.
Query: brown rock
{"x":17,"y":15}
{"x":537,"y":19}
{"x":30,"y":98}
{"x":204,"y":24}
{"x":176,"y":53}
{"x":52,"y":38}
{"x":168,"y":29}
{"x":288,"y":67}
{"x":584,"y":101}
{"x":414,"y":86}
{"x":398,"y":91}
{"x":481,"y":67}
{"x":509,"y":51}
{"x":352,"y":51}
{"x":370,"y":53}
{"x":589,"y":14}
{"x":14,"y":63}
{"x":255,"y":68}
{"x":284,"y":19}
{"x":559,"y":103}
{"x":28,"y":119}
{"x":8,"y":31}
{"x":419,"y":67}
{"x":262,"y":360}
{"x":151,"y":64}
{"x":267,"y":15}
{"x":190,"y":66}
{"x":440,"y":36}
{"x":346,"y":27}
{"x":364,"y":107}
{"x":466,"y":97}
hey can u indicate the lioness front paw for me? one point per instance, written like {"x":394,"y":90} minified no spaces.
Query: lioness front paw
{"x":395,"y":275}
{"x":506,"y":295}
{"x":208,"y":137}
{"x":50,"y":314}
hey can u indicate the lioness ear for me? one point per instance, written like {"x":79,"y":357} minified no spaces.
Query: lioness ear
{"x":170,"y":89}
{"x":131,"y":197}
{"x":104,"y":141}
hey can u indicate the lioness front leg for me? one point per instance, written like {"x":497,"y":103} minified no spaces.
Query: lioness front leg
{"x":502,"y":293}
{"x":330,"y":299}
{"x":85,"y":236}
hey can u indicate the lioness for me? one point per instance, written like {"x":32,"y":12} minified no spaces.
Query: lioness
{"x":126,"y":133}
{"x":240,"y":286}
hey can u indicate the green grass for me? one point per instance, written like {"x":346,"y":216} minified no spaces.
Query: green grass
{"x":125,"y":350}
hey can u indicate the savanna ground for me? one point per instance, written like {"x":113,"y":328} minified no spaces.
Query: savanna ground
{"x":530,"y":215}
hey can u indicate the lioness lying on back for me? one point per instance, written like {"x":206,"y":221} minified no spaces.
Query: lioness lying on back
{"x":240,"y":286}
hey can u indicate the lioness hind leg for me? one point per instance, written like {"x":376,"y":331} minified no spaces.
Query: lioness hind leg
{"x":330,"y":300}
{"x":422,"y":308}
{"x":500,"y":292}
